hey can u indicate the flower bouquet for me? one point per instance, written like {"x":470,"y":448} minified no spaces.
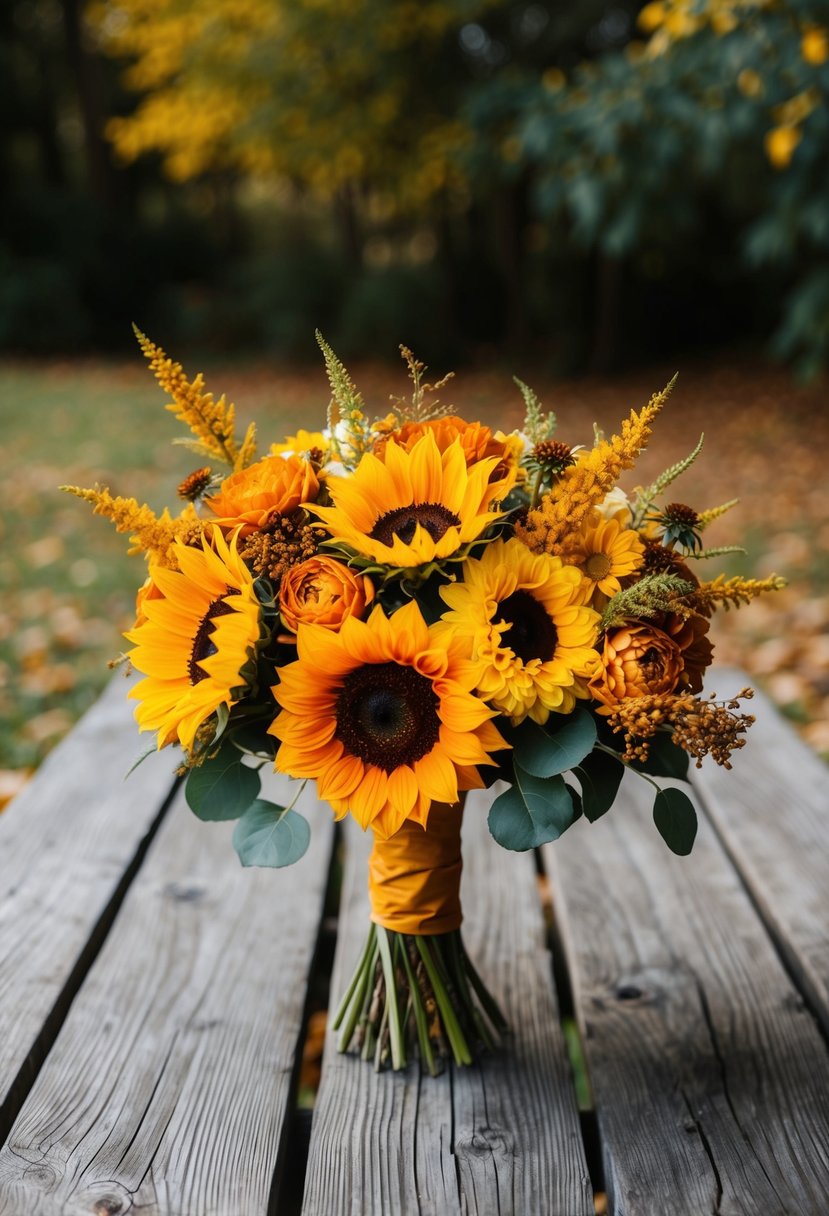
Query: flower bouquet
{"x":405,"y":608}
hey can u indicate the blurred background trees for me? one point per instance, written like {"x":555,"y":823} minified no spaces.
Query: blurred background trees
{"x":590,"y":182}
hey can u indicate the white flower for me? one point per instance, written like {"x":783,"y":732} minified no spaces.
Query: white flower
{"x":615,"y":505}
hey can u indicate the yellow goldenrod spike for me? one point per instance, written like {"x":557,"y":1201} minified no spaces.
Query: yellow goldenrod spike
{"x":565,"y":507}
{"x":707,"y":517}
{"x":732,"y":592}
{"x":153,"y":535}
{"x":212,"y":422}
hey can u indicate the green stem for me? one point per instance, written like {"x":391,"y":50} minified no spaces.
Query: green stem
{"x":486,"y":998}
{"x":426,"y":1053}
{"x":460,"y":1048}
{"x":398,"y":1050}
{"x":355,"y":980}
{"x":602,"y":747}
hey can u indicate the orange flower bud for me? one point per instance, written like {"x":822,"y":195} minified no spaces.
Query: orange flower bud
{"x":276,"y":484}
{"x":644,"y":658}
{"x":322,"y":591}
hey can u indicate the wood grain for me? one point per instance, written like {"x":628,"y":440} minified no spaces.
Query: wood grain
{"x":710,"y":1079}
{"x":501,"y":1137}
{"x":65,"y":845}
{"x":167,"y":1089}
{"x":772,"y":812}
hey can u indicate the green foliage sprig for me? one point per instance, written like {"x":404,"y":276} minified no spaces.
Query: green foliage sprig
{"x":653,"y":593}
{"x":537,"y":425}
{"x":645,"y":498}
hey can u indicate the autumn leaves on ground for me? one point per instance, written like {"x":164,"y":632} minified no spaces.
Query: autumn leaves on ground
{"x":68,"y":586}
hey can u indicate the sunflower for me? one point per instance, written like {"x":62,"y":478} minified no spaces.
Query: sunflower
{"x":522,"y":616}
{"x":200,"y":626}
{"x":411,"y":507}
{"x":383,"y":718}
{"x":605,"y":551}
{"x":477,"y":441}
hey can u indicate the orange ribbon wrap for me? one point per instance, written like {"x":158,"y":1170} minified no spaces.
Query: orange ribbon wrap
{"x":414,"y":877}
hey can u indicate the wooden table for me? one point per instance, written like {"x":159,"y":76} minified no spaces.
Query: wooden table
{"x":153,"y":1002}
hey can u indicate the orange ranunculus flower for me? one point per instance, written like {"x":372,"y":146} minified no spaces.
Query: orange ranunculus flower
{"x":477,"y":443}
{"x":322,"y":591}
{"x":275,"y":484}
{"x":663,"y":655}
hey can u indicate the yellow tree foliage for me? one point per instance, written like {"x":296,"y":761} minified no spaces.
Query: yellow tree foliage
{"x":328,"y":93}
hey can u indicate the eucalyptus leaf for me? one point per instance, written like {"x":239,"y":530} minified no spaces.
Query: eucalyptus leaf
{"x":533,"y":811}
{"x":544,"y":752}
{"x":270,"y":835}
{"x":676,"y":820}
{"x":222,"y":787}
{"x":599,"y":776}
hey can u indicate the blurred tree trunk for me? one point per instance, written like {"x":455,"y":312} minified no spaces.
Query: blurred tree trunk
{"x":84,"y":69}
{"x":46,"y":126}
{"x":348,"y":222}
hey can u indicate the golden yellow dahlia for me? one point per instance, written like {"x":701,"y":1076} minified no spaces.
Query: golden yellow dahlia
{"x":322,"y":591}
{"x":276,"y":484}
{"x":414,"y":507}
{"x":521,"y":616}
{"x":665,"y":654}
{"x":605,"y":551}
{"x":383,"y":718}
{"x":199,"y":627}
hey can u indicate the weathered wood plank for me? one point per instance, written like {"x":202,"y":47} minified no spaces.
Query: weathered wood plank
{"x":167,"y":1089}
{"x":66,"y":844}
{"x":710,"y":1079}
{"x":502,"y":1137}
{"x":772,"y":812}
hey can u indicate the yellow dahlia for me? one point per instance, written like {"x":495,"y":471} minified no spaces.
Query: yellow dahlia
{"x":521,"y":616}
{"x":383,"y":718}
{"x":605,"y":551}
{"x":411,"y":508}
{"x":274,"y":485}
{"x":199,"y":627}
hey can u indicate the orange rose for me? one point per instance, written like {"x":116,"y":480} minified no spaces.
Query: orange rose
{"x":322,"y":591}
{"x":275,"y":484}
{"x":648,"y":657}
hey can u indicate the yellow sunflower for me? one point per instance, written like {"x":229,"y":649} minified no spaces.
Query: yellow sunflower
{"x":411,"y":507}
{"x":383,"y":718}
{"x":605,"y":551}
{"x":199,"y":627}
{"x":522,"y":616}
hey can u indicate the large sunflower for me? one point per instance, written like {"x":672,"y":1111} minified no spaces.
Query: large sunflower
{"x":411,"y":507}
{"x":521,"y":615}
{"x":383,"y":718}
{"x":194,"y":638}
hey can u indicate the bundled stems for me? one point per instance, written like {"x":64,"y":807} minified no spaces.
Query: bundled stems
{"x":417,"y":992}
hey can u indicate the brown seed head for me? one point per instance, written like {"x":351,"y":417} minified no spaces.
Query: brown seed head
{"x":195,"y":484}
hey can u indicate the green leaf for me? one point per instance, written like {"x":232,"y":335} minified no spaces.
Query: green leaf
{"x":253,"y":739}
{"x":599,"y":776}
{"x":269,"y":835}
{"x":222,"y":787}
{"x":531,"y":812}
{"x":545,"y":754}
{"x":676,"y":820}
{"x":665,"y":758}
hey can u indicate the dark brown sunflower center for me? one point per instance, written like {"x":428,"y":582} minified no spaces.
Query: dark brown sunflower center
{"x":402,"y":521}
{"x":387,"y":715}
{"x":203,"y":644}
{"x":531,"y":633}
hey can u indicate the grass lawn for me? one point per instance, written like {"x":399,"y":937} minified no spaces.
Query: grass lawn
{"x":68,"y":587}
